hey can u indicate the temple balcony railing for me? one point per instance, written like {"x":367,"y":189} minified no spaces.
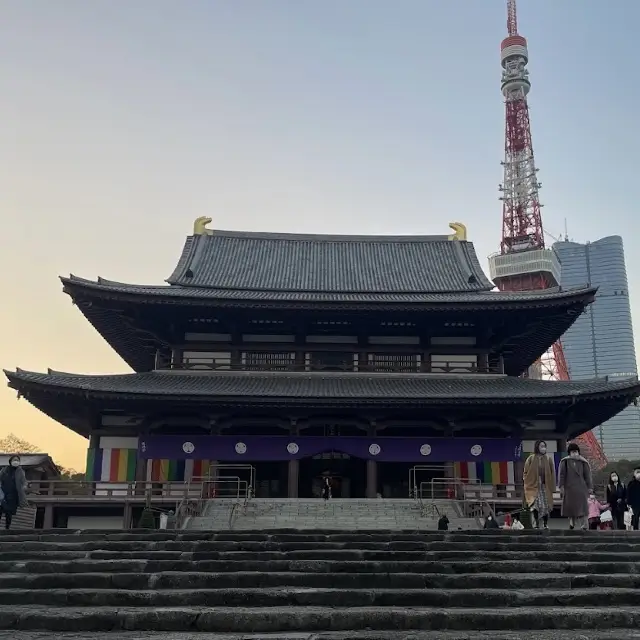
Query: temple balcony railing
{"x":442,"y":367}
{"x":42,"y":492}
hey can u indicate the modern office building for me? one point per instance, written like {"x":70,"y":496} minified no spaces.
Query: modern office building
{"x":600,"y":343}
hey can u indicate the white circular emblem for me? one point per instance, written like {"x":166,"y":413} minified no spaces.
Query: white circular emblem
{"x":374,"y":449}
{"x":425,"y":450}
{"x":241,"y":448}
{"x":293,"y":448}
{"x":476,"y":450}
{"x":188,"y":447}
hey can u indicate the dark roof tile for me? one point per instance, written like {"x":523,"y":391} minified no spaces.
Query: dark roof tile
{"x":329,"y":264}
{"x":416,"y":387}
{"x":201,"y":293}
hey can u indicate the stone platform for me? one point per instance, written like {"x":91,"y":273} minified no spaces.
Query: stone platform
{"x":375,"y":585}
{"x":348,"y":514}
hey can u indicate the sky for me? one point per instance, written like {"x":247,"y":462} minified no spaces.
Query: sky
{"x":121,"y":122}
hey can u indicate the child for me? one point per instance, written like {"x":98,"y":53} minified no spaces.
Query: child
{"x":595,"y":508}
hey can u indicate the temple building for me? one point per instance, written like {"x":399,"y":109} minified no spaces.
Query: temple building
{"x":385,"y":362}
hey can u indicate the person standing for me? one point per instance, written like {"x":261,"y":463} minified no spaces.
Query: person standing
{"x":633,"y":498}
{"x":539,"y":480}
{"x":326,"y":488}
{"x":13,"y":484}
{"x":617,"y":499}
{"x":576,"y":485}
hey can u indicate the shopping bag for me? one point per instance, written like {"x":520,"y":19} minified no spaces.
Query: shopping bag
{"x":606,"y":516}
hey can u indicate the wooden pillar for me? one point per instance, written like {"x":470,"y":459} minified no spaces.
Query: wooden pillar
{"x":372,"y":479}
{"x":48,"y":517}
{"x":293,"y":478}
{"x":126,"y":516}
{"x":372,"y":468}
{"x":293,"y":470}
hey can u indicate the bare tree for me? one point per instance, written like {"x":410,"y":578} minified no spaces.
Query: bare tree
{"x":13,"y":444}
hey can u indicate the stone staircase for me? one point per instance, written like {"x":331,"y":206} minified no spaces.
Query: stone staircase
{"x":401,"y":585}
{"x":340,"y":514}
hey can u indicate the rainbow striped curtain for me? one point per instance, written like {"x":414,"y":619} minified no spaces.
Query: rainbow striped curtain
{"x":111,"y":465}
{"x":485,"y":472}
{"x":176,"y":470}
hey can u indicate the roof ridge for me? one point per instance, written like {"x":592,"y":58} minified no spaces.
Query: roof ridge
{"x":325,"y":237}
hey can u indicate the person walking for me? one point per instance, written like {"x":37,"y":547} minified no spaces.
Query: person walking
{"x":539,"y":478}
{"x":576,"y":485}
{"x":13,"y":487}
{"x":617,"y":499}
{"x":633,"y":498}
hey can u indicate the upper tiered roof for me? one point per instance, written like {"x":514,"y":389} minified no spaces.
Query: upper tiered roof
{"x":222,"y":271}
{"x":329,"y":264}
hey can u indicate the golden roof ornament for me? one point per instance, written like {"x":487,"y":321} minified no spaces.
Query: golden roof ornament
{"x":200,"y":226}
{"x":460,"y":231}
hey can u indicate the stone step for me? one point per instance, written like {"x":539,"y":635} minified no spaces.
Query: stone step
{"x":299,"y":579}
{"x":58,"y":570}
{"x":313,"y":597}
{"x":71,"y":536}
{"x":176,"y":550}
{"x":583,"y":634}
{"x":10,"y":562}
{"x":180,"y":580}
{"x":631,"y":545}
{"x":311,"y":619}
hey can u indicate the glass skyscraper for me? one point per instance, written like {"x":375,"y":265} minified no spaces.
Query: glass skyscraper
{"x":600,"y":343}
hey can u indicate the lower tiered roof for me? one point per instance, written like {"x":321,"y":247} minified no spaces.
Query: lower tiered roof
{"x":64,"y":396}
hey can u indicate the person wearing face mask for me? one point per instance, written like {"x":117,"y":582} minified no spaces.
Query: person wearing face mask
{"x":576,"y":485}
{"x":539,"y":480}
{"x":617,"y":499}
{"x":633,"y":498}
{"x":13,"y":487}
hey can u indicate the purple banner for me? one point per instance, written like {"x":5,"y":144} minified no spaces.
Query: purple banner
{"x":274,"y":448}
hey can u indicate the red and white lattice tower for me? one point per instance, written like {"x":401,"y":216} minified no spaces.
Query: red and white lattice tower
{"x":524,"y":263}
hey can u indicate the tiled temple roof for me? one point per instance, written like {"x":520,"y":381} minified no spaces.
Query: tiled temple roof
{"x":67,"y":397}
{"x":274,"y":384}
{"x":329,"y":264}
{"x":201,"y":295}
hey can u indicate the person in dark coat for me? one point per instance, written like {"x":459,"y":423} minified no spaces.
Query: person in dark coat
{"x":633,"y":498}
{"x":491,"y":523}
{"x":13,"y":489}
{"x":617,"y":499}
{"x":576,"y":485}
{"x":443,"y":523}
{"x":326,"y":488}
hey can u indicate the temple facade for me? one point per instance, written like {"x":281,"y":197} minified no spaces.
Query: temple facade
{"x":387,"y":363}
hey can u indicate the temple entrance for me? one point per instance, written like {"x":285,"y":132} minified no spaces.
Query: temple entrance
{"x":348,"y":475}
{"x":271,"y":479}
{"x":266,"y":479}
{"x":397,"y":479}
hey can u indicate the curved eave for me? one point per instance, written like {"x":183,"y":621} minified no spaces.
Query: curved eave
{"x":108,"y":305}
{"x":358,"y":301}
{"x":64,"y":396}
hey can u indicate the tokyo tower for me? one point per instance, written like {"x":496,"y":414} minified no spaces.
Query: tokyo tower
{"x":524,"y":263}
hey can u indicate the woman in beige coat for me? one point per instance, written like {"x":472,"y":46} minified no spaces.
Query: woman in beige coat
{"x":539,"y":479}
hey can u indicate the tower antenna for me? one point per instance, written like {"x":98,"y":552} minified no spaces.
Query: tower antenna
{"x":512,"y":18}
{"x":524,"y":263}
